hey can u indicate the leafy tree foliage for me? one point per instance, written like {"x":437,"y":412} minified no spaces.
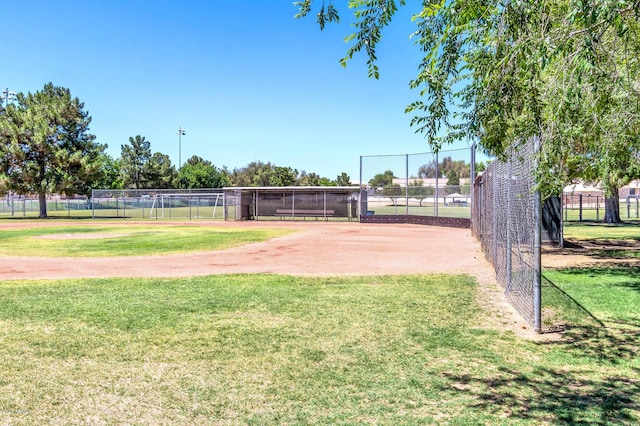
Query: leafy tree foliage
{"x":258,"y":173}
{"x":46,"y":147}
{"x":419,"y":191}
{"x":382,"y":180}
{"x":429,"y":171}
{"x":159,"y":171}
{"x":393,"y":191}
{"x":200,"y":173}
{"x":111,"y":176}
{"x":308,"y":179}
{"x":133,"y":162}
{"x":283,"y":176}
{"x":324,"y":181}
{"x":343,"y":179}
{"x":313,"y":179}
{"x":452,"y":178}
{"x":445,"y":168}
{"x":330,"y":14}
{"x":141,"y":169}
{"x":255,"y":173}
{"x":502,"y":72}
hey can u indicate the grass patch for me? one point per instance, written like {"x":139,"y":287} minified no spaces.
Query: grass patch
{"x":600,"y":231}
{"x":611,"y":294}
{"x":99,"y":241}
{"x":257,"y":349}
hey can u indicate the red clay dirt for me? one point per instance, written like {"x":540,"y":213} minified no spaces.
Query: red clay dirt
{"x":318,"y":249}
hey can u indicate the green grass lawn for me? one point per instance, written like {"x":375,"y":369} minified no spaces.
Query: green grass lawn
{"x":267,"y":349}
{"x":610,"y":292}
{"x":118,"y":240}
{"x":600,"y":231}
{"x":601,"y":301}
{"x":571,"y":212}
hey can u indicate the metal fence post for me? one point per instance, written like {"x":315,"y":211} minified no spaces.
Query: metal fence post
{"x":580,"y":206}
{"x":508,"y":239}
{"x":472,"y":180}
{"x":537,"y":243}
{"x":406,"y":185}
{"x":362,"y":213}
{"x":435,"y":208}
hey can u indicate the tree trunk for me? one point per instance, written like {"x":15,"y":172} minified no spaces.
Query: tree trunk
{"x":42,"y":198}
{"x":612,"y":208}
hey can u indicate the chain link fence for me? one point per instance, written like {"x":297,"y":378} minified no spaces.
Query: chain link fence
{"x":19,"y":206}
{"x":421,"y":184}
{"x":579,"y":207}
{"x":157,"y":204}
{"x":506,"y":220}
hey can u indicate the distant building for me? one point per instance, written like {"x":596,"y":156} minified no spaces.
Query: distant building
{"x":630,"y":190}
{"x":442,"y":182}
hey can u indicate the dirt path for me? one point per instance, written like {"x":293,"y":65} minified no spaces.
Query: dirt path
{"x":318,"y":248}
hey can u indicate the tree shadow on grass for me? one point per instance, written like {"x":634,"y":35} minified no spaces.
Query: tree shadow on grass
{"x":589,"y":336}
{"x":548,"y":395}
{"x":606,"y":345}
{"x":629,"y":274}
{"x":586,"y":394}
{"x":615,"y":251}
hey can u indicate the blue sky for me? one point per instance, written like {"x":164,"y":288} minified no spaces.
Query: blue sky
{"x":246,"y":80}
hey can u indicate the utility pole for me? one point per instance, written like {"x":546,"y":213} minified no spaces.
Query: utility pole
{"x":7,"y":96}
{"x":181,"y":132}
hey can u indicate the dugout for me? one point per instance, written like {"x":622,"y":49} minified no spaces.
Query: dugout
{"x":291,"y":202}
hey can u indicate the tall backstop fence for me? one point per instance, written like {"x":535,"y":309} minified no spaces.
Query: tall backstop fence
{"x":506,"y":220}
{"x":157,"y":204}
{"x":419,"y":187}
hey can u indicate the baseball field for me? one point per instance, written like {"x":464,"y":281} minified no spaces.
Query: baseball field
{"x":306,"y":323}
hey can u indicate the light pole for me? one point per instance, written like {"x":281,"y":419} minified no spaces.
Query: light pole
{"x":7,"y":96}
{"x":181,"y":132}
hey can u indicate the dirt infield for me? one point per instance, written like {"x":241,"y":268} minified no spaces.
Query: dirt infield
{"x":318,"y":249}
